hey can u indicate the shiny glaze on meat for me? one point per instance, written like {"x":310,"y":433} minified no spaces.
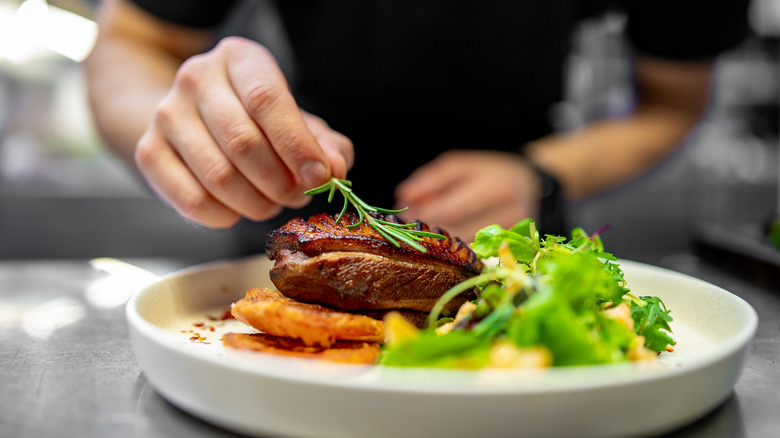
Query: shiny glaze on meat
{"x":322,"y":234}
{"x":356,"y":269}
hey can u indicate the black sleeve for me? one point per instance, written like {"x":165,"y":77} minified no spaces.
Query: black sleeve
{"x":686,"y":29}
{"x":189,"y":13}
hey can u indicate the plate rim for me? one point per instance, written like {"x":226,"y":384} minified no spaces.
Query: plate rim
{"x":739,"y":340}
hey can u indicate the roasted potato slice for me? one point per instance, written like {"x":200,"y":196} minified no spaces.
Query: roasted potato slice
{"x":272,"y":313}
{"x":354,"y":352}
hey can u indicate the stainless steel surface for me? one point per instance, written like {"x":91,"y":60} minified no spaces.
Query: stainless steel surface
{"x":67,"y":369}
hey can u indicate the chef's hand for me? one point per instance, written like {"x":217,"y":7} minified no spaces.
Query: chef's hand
{"x":229,"y":140}
{"x":463,"y":191}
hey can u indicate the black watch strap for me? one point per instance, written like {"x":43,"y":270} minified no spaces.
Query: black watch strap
{"x":552,"y":209}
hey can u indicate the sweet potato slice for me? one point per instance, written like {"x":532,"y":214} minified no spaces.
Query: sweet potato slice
{"x":272,"y":313}
{"x":354,"y":352}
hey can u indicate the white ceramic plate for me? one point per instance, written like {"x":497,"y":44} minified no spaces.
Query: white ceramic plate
{"x":175,"y":328}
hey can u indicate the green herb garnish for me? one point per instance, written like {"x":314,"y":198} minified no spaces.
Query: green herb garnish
{"x":651,"y":320}
{"x":564,"y":298}
{"x":393,"y":232}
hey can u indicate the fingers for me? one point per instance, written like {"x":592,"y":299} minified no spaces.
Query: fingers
{"x":430,"y":180}
{"x":464,"y":191}
{"x":337,"y":147}
{"x":443,"y":189}
{"x":229,"y":140}
{"x":213,"y":170}
{"x":214,"y":181}
{"x":238,"y":141}
{"x":466,"y":207}
{"x":455,"y":204}
{"x":264,"y":94}
{"x":173,"y":182}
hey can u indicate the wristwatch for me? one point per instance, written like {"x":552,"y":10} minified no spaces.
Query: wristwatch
{"x":552,"y":208}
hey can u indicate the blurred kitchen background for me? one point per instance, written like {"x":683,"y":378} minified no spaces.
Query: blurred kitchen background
{"x":63,"y":195}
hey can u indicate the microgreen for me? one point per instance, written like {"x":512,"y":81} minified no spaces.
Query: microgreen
{"x":544,"y":291}
{"x":651,"y":319}
{"x":393,"y":232}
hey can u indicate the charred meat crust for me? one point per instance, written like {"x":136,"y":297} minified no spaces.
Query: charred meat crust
{"x":321,"y":234}
{"x":356,"y":269}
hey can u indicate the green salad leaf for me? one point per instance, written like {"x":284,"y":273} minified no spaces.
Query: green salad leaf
{"x":564,"y":297}
{"x":651,"y":320}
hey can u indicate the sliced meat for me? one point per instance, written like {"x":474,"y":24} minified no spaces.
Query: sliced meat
{"x":321,"y":261}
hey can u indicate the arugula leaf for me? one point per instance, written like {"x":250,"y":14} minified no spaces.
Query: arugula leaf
{"x":564,"y":315}
{"x":651,"y":320}
{"x":456,"y":349}
{"x":494,"y":323}
{"x":546,"y":292}
{"x":489,"y":239}
{"x":582,"y":278}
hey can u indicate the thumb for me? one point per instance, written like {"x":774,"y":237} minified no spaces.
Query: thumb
{"x":338,"y":148}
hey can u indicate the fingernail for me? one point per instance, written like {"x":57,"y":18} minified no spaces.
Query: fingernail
{"x":314,"y":173}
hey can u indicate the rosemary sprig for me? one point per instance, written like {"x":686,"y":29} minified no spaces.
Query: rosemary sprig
{"x":391,"y":231}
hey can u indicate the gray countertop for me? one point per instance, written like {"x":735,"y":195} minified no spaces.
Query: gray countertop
{"x":67,"y":368}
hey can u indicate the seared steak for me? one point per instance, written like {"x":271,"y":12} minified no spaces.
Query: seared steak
{"x":321,"y":261}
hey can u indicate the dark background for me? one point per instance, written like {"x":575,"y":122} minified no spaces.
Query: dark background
{"x":63,"y":195}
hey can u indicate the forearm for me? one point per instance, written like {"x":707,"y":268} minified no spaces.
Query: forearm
{"x":671,"y":101}
{"x":609,"y":153}
{"x":130,"y":69}
{"x":125,"y":86}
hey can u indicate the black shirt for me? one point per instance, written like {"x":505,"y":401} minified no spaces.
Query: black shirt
{"x":409,"y":79}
